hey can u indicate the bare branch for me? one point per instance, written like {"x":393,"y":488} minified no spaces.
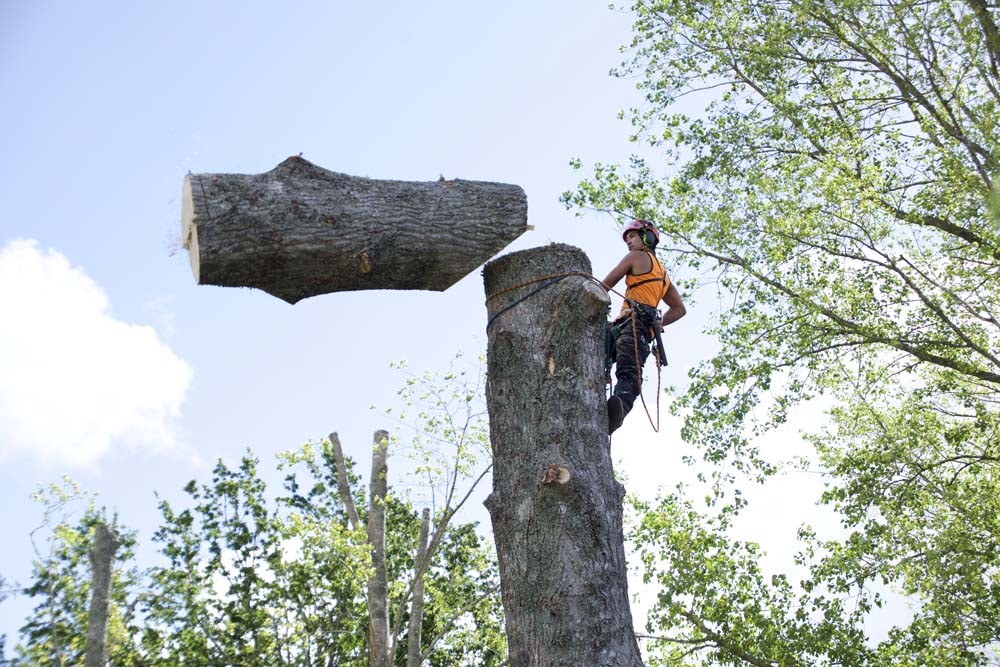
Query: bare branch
{"x":342,"y":483}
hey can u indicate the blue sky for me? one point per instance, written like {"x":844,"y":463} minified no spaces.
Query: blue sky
{"x":115,"y":368}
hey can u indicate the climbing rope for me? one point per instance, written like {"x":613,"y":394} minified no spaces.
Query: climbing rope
{"x":635,"y":347}
{"x":552,"y":279}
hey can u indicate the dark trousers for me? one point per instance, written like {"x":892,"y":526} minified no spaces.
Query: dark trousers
{"x":630,"y":347}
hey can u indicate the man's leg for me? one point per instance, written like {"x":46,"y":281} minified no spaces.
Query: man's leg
{"x":627,"y":369}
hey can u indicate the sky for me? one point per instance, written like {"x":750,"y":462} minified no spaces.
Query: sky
{"x":118,"y":370}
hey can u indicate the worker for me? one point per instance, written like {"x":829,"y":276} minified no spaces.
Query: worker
{"x":646,"y":284}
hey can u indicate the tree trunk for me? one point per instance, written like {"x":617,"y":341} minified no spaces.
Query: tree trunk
{"x":300,"y":230}
{"x":556,"y":507}
{"x":413,"y":657}
{"x":378,"y":585}
{"x":343,"y":484}
{"x":102,"y":556}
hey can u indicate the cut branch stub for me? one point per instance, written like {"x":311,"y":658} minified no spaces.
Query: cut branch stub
{"x":300,"y":230}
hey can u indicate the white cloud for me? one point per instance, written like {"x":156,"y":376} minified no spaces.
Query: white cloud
{"x":161,"y":313}
{"x":74,"y":381}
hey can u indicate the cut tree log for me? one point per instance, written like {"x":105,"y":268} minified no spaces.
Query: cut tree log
{"x":300,"y":230}
{"x":556,"y":508}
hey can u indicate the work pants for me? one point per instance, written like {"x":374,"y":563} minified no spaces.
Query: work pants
{"x":630,"y":352}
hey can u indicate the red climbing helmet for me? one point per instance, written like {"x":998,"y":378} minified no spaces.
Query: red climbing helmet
{"x":642,"y":226}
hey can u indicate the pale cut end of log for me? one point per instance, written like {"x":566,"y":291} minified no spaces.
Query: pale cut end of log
{"x":189,"y":232}
{"x":300,"y":230}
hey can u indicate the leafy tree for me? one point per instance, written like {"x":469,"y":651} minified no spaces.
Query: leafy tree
{"x":6,"y":588}
{"x":250,"y":577}
{"x":716,"y":607}
{"x":255,"y":582}
{"x":835,"y":187}
{"x":463,"y":619}
{"x":252,"y":580}
{"x":211,"y":602}
{"x":56,"y":633}
{"x":328,"y":577}
{"x":449,"y":445}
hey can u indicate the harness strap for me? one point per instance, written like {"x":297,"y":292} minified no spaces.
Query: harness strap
{"x":661,"y":279}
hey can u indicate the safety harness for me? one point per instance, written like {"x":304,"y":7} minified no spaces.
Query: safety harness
{"x":641,"y":314}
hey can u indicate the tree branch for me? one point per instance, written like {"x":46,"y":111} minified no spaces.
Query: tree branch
{"x":849,"y":325}
{"x":981,"y":157}
{"x":343,"y":486}
{"x":723,"y":644}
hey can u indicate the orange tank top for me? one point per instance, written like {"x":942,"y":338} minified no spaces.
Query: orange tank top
{"x":647,"y":288}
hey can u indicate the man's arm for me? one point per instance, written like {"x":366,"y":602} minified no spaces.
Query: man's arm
{"x":626,"y":266}
{"x":675,"y":306}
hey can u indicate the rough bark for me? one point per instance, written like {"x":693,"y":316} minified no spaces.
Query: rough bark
{"x":378,"y":585}
{"x":413,"y":657}
{"x":555,"y":506}
{"x":102,"y":556}
{"x":300,"y":230}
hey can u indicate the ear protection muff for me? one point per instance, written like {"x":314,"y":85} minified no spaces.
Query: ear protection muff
{"x":647,"y":232}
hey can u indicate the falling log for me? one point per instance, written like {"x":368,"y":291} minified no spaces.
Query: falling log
{"x":556,"y":507}
{"x":300,"y":230}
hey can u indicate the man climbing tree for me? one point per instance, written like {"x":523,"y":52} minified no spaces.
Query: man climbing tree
{"x":639,"y":322}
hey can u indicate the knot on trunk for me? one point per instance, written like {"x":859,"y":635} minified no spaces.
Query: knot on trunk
{"x":556,"y":474}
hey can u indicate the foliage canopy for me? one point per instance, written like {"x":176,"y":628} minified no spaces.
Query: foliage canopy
{"x":833,"y":183}
{"x":248,"y":576}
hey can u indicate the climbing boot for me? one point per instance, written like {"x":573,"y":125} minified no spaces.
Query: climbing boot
{"x":616,"y":414}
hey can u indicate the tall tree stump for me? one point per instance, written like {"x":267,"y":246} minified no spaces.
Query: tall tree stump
{"x":102,"y":558}
{"x":300,"y":230}
{"x":556,"y":507}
